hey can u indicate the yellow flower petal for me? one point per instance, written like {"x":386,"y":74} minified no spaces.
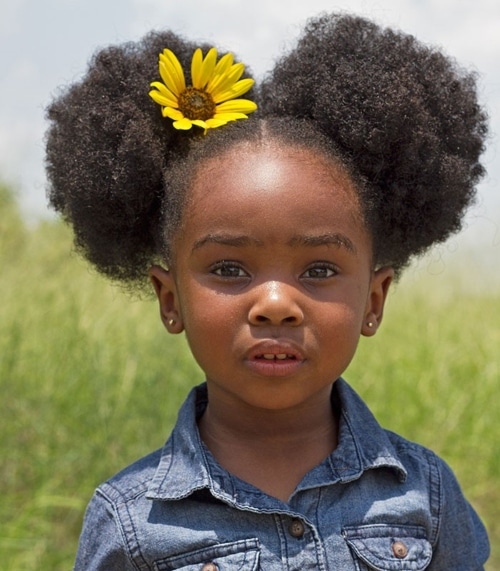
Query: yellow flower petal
{"x":176,"y":66}
{"x":229,"y":116}
{"x":225,"y":62}
{"x":163,"y":89}
{"x":183,"y":124}
{"x":218,"y":83}
{"x":207,"y":68}
{"x":157,"y":97}
{"x":196,"y":64}
{"x":171,"y":72}
{"x":215,"y":122}
{"x":239,"y":88}
{"x":174,"y":114}
{"x":236,"y":71}
{"x":220,"y":72}
{"x":169,"y":78}
{"x":228,"y":80}
{"x":237,"y":106}
{"x":162,"y":95}
{"x":199,"y":123}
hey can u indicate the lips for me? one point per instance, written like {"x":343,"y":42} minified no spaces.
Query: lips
{"x":275,"y":358}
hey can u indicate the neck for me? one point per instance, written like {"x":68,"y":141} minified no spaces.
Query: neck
{"x":271,"y":449}
{"x":246,"y":423}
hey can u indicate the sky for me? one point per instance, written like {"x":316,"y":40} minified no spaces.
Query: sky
{"x":45,"y":44}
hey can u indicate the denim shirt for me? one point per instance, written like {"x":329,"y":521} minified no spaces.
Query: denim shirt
{"x":377,"y":502}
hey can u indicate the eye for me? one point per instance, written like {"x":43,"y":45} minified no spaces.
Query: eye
{"x":227,"y":269}
{"x":320,"y":271}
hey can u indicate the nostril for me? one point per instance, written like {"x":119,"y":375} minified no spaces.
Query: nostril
{"x":263,"y":319}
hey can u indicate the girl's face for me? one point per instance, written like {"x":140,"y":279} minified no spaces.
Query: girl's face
{"x":272,"y":276}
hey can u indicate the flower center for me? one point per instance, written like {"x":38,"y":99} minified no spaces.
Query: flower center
{"x":196,"y":104}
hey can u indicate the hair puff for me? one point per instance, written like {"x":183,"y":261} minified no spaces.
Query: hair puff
{"x":405,"y":115}
{"x":108,"y":152}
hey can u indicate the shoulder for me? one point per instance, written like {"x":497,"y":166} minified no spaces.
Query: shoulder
{"x":131,"y":482}
{"x":422,"y":461}
{"x":457,"y":531}
{"x":414,"y":455}
{"x":423,"y":464}
{"x":105,"y":541}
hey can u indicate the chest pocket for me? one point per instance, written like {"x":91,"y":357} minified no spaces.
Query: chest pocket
{"x":389,"y":548}
{"x":236,"y":556}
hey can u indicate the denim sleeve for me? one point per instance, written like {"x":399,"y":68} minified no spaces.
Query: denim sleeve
{"x":101,"y":546}
{"x":462,"y":542}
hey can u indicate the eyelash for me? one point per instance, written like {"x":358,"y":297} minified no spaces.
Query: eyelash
{"x":322,"y":266}
{"x":225,"y":265}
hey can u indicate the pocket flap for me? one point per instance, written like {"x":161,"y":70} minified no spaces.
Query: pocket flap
{"x":236,"y":556}
{"x":390,"y":548}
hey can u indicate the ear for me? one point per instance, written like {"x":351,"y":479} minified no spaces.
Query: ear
{"x":379,"y":288}
{"x":166,"y":292}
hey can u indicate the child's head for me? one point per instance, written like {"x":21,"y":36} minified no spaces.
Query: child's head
{"x":271,"y":268}
{"x":400,"y":119}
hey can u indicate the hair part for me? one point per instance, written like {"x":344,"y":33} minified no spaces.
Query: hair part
{"x":244,"y":137}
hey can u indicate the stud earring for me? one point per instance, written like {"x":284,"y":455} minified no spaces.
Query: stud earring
{"x":171,"y":322}
{"x":370,"y":324}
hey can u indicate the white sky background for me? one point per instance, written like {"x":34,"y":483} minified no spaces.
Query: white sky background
{"x":45,"y":44}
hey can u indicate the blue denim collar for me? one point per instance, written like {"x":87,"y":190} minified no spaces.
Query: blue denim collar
{"x":187,"y":466}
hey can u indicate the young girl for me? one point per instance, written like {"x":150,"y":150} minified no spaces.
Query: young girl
{"x":271,"y":235}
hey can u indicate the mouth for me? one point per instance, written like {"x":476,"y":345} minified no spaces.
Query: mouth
{"x":275,"y":359}
{"x":276,"y":356}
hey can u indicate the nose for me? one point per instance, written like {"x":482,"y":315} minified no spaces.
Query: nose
{"x":276,"y":304}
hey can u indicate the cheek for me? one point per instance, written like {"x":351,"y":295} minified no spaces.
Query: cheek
{"x":210,"y":321}
{"x":338,"y":326}
{"x":211,"y":336}
{"x":346,"y":305}
{"x":341,"y":323}
{"x":339,"y":336}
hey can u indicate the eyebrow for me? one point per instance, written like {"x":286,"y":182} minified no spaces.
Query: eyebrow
{"x":327,"y":239}
{"x":226,"y":240}
{"x":309,"y":240}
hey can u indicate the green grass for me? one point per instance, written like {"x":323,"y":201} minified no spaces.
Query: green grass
{"x":90,"y":381}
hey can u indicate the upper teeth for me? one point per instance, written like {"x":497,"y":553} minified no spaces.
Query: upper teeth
{"x":273,"y":356}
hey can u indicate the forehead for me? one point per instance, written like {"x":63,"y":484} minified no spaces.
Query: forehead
{"x":254,"y":183}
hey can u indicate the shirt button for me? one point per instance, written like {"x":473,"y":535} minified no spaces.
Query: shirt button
{"x":209,"y":567}
{"x":296,"y":528}
{"x":399,"y":549}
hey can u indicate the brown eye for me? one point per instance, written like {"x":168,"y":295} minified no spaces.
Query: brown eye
{"x":229,"y":270}
{"x":321,"y":271}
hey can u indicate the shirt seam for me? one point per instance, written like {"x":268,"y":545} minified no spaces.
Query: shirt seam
{"x":137,"y":559}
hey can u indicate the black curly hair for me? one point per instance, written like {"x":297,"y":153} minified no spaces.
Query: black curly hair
{"x":400,"y":116}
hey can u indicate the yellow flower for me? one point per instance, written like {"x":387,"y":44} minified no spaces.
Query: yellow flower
{"x":211,"y":99}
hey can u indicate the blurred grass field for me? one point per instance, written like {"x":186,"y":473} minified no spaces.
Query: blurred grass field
{"x":90,"y":382}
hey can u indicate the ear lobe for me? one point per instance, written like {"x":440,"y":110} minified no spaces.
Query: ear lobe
{"x":166,"y":292}
{"x":381,"y":281}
